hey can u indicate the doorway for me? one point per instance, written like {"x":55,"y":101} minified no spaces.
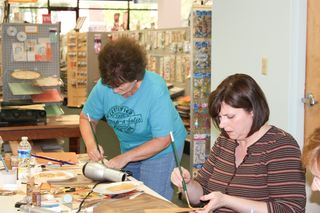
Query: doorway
{"x":312,"y":83}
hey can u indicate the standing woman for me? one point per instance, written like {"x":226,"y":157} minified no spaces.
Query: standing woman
{"x":253,"y":167}
{"x":136,"y":104}
{"x":311,"y":158}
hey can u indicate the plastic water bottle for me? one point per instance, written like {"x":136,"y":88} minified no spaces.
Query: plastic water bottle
{"x":24,"y":156}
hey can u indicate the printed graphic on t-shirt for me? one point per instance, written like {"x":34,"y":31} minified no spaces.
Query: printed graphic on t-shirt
{"x":123,"y":119}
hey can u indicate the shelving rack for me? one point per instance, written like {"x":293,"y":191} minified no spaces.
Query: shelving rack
{"x":168,"y":51}
{"x":200,"y":86}
{"x":82,"y":50}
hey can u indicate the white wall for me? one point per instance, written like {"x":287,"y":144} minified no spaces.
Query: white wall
{"x":244,"y":32}
{"x":247,"y":30}
{"x":169,"y":14}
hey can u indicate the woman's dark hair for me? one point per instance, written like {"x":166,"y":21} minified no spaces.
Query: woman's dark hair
{"x":240,"y":91}
{"x":122,"y":60}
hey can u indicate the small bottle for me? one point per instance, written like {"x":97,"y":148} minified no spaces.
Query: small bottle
{"x":36,"y":197}
{"x":24,"y":156}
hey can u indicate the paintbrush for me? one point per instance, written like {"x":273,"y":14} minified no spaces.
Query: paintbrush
{"x":52,"y":159}
{"x":95,"y":136}
{"x":180,"y":170}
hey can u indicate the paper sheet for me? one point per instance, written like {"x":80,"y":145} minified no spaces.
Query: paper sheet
{"x":24,"y":88}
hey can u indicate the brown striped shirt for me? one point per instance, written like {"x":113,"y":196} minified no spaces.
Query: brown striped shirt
{"x":271,"y":172}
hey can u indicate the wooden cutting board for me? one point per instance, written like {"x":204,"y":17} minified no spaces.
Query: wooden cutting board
{"x":136,"y":205}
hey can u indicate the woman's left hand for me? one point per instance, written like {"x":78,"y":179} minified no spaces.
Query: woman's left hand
{"x":216,"y":200}
{"x":117,"y":162}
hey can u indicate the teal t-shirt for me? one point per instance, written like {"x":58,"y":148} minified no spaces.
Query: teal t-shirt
{"x":149,"y":113}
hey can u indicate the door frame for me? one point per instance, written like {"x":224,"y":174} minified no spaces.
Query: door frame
{"x":298,"y":70}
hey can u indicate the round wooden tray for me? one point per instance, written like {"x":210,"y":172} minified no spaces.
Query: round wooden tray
{"x":25,"y":74}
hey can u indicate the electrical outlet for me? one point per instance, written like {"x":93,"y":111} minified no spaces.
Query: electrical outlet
{"x":264,"y":65}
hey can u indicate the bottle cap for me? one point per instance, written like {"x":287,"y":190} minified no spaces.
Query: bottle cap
{"x":24,"y":138}
{"x":67,"y":198}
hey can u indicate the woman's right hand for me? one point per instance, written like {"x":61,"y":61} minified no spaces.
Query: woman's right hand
{"x":176,"y":178}
{"x":94,"y":154}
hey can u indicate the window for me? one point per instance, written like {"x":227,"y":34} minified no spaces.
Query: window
{"x":100,"y":15}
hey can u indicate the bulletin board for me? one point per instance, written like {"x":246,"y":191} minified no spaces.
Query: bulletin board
{"x":33,"y":49}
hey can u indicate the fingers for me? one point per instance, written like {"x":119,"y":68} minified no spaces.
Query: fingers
{"x":215,"y":199}
{"x":176,"y":178}
{"x":186,"y":175}
{"x":95,"y":155}
{"x":205,"y":197}
{"x":109,"y":164}
{"x":116,"y":162}
{"x":105,"y":161}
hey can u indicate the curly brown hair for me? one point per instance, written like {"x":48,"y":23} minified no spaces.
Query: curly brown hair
{"x":311,"y":150}
{"x":240,"y":91}
{"x":120,"y":61}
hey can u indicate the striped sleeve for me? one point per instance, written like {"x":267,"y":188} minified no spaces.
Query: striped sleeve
{"x":286,"y":177}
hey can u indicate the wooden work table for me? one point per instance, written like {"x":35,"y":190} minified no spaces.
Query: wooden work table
{"x":149,"y":201}
{"x":64,"y":126}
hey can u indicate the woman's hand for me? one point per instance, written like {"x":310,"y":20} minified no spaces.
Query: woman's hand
{"x":176,"y":178}
{"x":94,"y":154}
{"x":117,"y":162}
{"x":216,"y":200}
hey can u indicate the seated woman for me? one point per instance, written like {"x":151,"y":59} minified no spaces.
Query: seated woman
{"x":311,"y":158}
{"x":253,"y":166}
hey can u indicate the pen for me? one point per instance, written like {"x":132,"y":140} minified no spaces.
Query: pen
{"x":180,"y":170}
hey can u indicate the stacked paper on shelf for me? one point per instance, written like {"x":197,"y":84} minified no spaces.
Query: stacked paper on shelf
{"x":24,"y":88}
{"x":50,"y":95}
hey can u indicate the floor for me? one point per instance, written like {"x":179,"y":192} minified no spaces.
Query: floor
{"x":107,"y":138}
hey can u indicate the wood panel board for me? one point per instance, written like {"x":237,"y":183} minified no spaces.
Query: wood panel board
{"x":138,"y":205}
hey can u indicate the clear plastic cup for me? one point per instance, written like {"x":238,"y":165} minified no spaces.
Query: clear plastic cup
{"x":9,"y":177}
